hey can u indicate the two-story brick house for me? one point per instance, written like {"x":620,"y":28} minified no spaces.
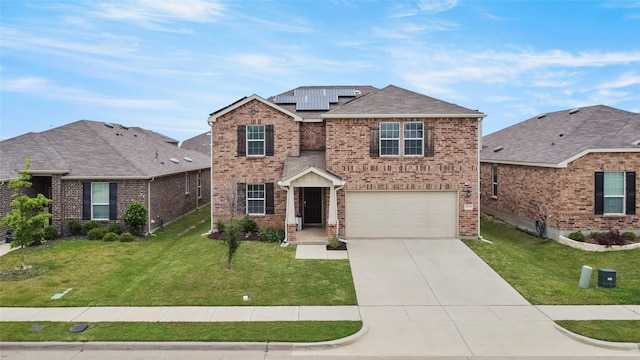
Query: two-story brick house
{"x":576,"y":166}
{"x":356,"y":160}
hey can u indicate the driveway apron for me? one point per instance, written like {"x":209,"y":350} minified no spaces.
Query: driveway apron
{"x":438,"y":298}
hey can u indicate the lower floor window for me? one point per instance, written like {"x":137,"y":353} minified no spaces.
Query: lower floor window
{"x":255,"y":199}
{"x":100,"y":201}
{"x":614,"y":192}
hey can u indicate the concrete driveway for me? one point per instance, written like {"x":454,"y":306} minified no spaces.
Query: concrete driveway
{"x":437,"y":298}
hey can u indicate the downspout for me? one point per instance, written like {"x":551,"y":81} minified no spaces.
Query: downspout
{"x":210,"y":121}
{"x":149,"y":202}
{"x":478,"y":182}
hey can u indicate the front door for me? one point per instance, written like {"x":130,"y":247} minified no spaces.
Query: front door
{"x":312,"y":205}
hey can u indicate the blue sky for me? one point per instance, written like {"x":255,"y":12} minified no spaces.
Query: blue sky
{"x":165,"y":65}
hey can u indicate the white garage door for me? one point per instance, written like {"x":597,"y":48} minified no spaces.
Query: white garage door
{"x":401,"y":214}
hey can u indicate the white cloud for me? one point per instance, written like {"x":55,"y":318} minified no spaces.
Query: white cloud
{"x":153,"y":10}
{"x":625,"y":80}
{"x":44,"y":88}
{"x":436,"y":6}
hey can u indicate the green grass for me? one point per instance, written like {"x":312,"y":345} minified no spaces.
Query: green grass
{"x":546,"y":272}
{"x":297,"y":331}
{"x":178,"y":266}
{"x":607,"y":330}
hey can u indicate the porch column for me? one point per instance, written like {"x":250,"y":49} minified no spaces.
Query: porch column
{"x":291,"y":214}
{"x":332,"y":221}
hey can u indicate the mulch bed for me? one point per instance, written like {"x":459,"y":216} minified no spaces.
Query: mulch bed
{"x":342,"y":246}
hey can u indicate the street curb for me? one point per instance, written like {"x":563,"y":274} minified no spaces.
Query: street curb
{"x":205,"y":346}
{"x":626,"y":346}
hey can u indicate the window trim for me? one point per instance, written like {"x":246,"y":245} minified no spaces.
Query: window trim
{"x":389,"y":139}
{"x":263,"y":140}
{"x":623,"y":196}
{"x":405,"y":138}
{"x":93,"y":203}
{"x":263,"y":199}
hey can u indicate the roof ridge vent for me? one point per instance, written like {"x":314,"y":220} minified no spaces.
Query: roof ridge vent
{"x":174,"y":160}
{"x":109,"y":125}
{"x":571,"y":112}
{"x":541,"y":116}
{"x":188,"y":159}
{"x":124,"y":127}
{"x":496,"y":149}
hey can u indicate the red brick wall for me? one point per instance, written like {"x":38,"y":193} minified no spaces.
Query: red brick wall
{"x":565,"y":194}
{"x":312,"y":136}
{"x":229,"y":169}
{"x":455,"y":163}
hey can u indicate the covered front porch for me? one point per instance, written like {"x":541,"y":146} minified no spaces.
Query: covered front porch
{"x":311,"y":201}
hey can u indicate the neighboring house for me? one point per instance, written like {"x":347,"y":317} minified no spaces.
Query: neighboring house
{"x":576,"y":166}
{"x":356,"y":160}
{"x":200,"y":143}
{"x":93,"y":171}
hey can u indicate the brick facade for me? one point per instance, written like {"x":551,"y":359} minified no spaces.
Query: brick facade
{"x":230,"y":169}
{"x":566,"y":195}
{"x":313,"y":136}
{"x":454,"y":164}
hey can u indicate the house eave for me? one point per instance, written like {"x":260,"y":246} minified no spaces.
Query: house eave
{"x":391,"y":116}
{"x":564,"y":163}
{"x":336,"y":181}
{"x":214,"y":116}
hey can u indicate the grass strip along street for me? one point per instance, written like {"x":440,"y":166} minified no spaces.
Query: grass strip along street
{"x":546,"y":272}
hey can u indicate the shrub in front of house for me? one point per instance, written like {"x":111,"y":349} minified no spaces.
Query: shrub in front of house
{"x":220,"y":225}
{"x":612,"y":237}
{"x":51,"y":233}
{"x":88,"y":226}
{"x":110,"y":236}
{"x":271,"y":234}
{"x":248,"y":224}
{"x":135,"y":217}
{"x":126,"y":237}
{"x":631,"y":236}
{"x":96,"y":233}
{"x":75,"y":228}
{"x":576,"y":236}
{"x":115,"y":228}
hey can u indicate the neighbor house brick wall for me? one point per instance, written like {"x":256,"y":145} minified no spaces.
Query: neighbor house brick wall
{"x":5,"y":205}
{"x":565,"y":194}
{"x":230,"y":169}
{"x":312,"y":136}
{"x":454,"y":164}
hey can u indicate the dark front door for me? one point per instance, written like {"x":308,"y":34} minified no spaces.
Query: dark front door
{"x":313,"y":205}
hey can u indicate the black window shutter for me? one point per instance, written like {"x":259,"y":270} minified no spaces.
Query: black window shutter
{"x":113,"y":201}
{"x":269,"y":199}
{"x":241,"y":198}
{"x":599,"y":193}
{"x":429,"y":148}
{"x":242,"y":140}
{"x":374,"y":140}
{"x":268,"y":140}
{"x":86,"y":201}
{"x":631,"y":193}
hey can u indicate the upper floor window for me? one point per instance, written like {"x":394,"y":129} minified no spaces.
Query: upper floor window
{"x":415,"y":139}
{"x":389,"y":138}
{"x":255,"y":140}
{"x":615,"y":192}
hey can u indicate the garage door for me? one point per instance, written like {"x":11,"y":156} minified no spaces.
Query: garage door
{"x":401,"y":214}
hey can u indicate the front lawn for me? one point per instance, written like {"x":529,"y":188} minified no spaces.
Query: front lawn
{"x":546,"y":272}
{"x":177,"y":267}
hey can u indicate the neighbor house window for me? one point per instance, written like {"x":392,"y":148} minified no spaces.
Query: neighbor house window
{"x":187,"y":186}
{"x":615,"y":192}
{"x":100,"y":201}
{"x":413,"y":138}
{"x":199,"y":184}
{"x":255,"y":140}
{"x":255,"y":199}
{"x":389,"y":138}
{"x":494,"y":180}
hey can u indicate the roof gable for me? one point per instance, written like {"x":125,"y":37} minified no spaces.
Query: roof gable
{"x":557,"y":138}
{"x":213,"y":117}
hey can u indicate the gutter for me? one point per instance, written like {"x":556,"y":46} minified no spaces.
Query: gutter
{"x":389,"y":116}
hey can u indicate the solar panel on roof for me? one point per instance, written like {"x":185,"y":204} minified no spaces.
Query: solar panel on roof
{"x":314,"y":99}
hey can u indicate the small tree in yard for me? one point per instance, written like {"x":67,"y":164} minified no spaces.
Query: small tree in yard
{"x":26,"y":218}
{"x":232,"y":238}
{"x":136,"y":217}
{"x":231,"y":230}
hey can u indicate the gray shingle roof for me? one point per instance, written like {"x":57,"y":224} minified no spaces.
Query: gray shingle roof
{"x":295,"y":164}
{"x":200,"y":143}
{"x":554,"y":138}
{"x":93,"y":149}
{"x":393,"y":100}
